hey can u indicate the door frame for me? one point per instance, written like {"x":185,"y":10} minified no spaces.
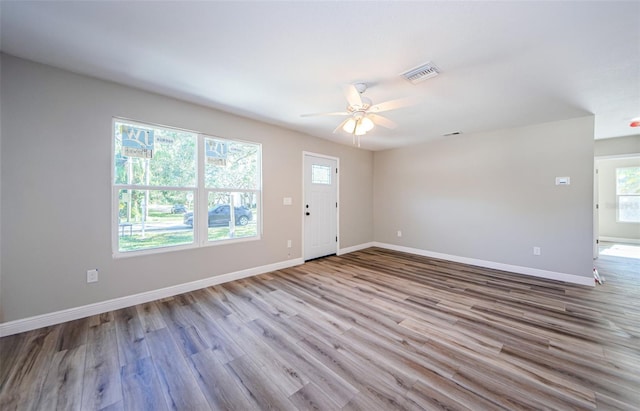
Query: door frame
{"x":302,"y":203}
{"x":596,"y":209}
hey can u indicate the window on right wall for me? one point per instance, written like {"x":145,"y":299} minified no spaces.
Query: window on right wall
{"x":628,"y":194}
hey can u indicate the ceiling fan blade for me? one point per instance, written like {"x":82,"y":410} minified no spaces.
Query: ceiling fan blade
{"x":335,"y":113}
{"x":353,"y":95}
{"x":341,"y":125}
{"x":382,"y":121}
{"x":393,"y":104}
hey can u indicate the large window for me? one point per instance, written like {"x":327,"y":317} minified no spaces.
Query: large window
{"x":628,"y":194}
{"x":179,"y":189}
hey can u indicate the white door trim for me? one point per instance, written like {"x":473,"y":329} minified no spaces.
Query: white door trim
{"x":302,"y":210}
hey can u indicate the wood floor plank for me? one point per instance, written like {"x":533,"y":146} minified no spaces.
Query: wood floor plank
{"x":284,"y":375}
{"x":10,"y":348}
{"x":258,"y":384}
{"x":141,"y":387}
{"x":310,"y":397}
{"x":441,"y":393}
{"x":221,"y":344}
{"x":237,"y":303}
{"x":150,"y":317}
{"x":62,"y":388}
{"x":178,"y":384}
{"x":369,"y":330}
{"x":222,"y":390}
{"x":214,"y":308}
{"x":340,"y":390}
{"x":455,"y":339}
{"x":188,"y":337}
{"x":23,"y":386}
{"x":102,"y":384}
{"x":253,"y":297}
{"x":130,"y":335}
{"x":381,"y":387}
{"x":73,"y":334}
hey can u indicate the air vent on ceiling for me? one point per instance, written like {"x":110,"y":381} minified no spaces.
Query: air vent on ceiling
{"x":421,"y":73}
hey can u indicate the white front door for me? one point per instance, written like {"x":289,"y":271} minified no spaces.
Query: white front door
{"x":320,"y":206}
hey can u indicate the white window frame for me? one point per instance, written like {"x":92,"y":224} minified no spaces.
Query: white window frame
{"x":200,"y":229}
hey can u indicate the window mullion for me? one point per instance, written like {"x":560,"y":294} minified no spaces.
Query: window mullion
{"x":201,"y":208}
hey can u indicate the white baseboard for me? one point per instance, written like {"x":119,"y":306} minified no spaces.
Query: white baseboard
{"x":45,"y":320}
{"x":619,"y":240}
{"x":358,"y":247}
{"x":535,"y":272}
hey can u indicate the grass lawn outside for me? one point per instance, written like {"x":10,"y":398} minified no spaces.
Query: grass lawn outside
{"x":157,"y":236}
{"x":222,"y":233}
{"x":152,"y":240}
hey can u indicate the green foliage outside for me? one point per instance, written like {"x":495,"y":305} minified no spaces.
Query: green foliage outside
{"x":179,"y":237}
{"x":222,"y":233}
{"x":136,"y":242}
{"x":628,"y":181}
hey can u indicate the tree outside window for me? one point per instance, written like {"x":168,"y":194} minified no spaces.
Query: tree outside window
{"x":628,"y":194}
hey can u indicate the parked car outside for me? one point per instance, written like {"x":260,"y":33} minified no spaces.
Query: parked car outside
{"x":178,"y":209}
{"x":219,"y":216}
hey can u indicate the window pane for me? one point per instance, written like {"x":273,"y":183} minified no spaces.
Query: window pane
{"x":629,"y":209}
{"x":320,"y":174}
{"x":232,"y":215}
{"x":168,"y":159}
{"x":231,"y":164}
{"x":628,"y":180}
{"x":153,"y":218}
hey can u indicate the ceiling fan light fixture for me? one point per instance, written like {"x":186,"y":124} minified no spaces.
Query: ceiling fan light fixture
{"x":366,"y":124}
{"x":349,"y":126}
{"x":358,"y":126}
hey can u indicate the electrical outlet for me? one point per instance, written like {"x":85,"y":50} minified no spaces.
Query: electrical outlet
{"x":537,"y":251}
{"x":288,"y":243}
{"x":92,"y":276}
{"x":399,"y":233}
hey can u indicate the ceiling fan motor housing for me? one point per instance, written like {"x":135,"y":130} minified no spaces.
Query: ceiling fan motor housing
{"x":361,"y":87}
{"x":366,"y":103}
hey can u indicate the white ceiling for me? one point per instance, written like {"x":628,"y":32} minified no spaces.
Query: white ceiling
{"x":503,"y":64}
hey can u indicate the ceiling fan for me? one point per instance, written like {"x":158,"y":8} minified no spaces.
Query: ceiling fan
{"x":362,"y":114}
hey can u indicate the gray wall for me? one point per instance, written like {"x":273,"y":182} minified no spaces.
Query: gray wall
{"x":608,"y":224}
{"x":56,"y":191}
{"x":492,"y":196}
{"x":617,"y":146}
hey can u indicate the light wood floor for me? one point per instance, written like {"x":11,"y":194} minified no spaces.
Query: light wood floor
{"x":370,"y":330}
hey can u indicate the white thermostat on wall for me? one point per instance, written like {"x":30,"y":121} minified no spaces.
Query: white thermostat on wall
{"x":563,"y":181}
